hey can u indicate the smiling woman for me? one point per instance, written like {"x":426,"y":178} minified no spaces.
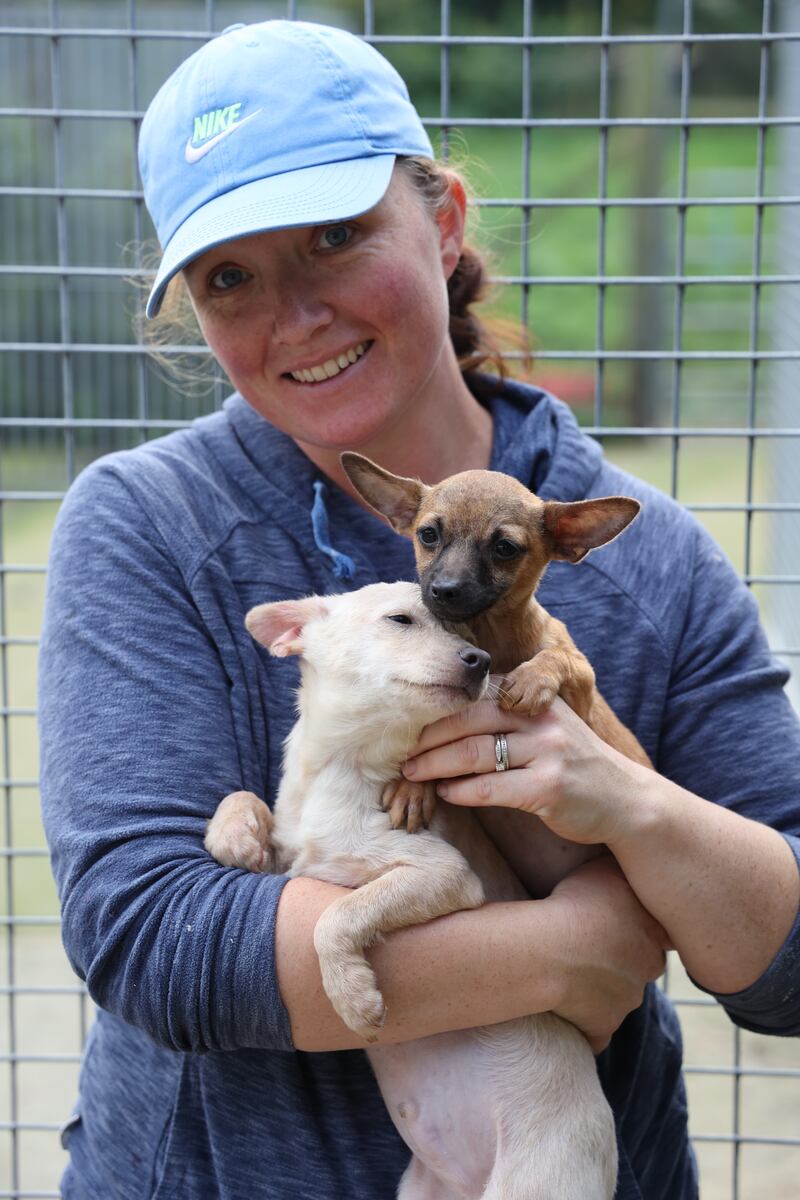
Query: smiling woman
{"x":281,"y":313}
{"x":474,"y":339}
{"x":332,"y":366}
{"x":295,"y":195}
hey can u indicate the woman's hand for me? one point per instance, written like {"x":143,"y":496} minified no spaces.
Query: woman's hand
{"x":612,"y":950}
{"x":582,"y":789}
{"x":725,"y":888}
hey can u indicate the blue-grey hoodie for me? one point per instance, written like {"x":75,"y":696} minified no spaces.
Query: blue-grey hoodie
{"x":155,"y":703}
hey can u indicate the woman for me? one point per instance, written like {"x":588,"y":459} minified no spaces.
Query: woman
{"x":290,"y":181}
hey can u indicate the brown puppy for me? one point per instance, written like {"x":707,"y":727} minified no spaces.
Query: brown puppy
{"x":482,"y":542}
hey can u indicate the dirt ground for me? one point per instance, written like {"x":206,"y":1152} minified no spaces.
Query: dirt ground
{"x":768,"y":1105}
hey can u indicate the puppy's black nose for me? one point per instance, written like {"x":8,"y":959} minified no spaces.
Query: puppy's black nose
{"x":446,"y":590}
{"x":476,"y":661}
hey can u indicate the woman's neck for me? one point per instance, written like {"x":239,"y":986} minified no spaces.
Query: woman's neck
{"x":434,"y":438}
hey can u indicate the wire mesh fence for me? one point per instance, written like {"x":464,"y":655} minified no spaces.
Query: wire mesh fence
{"x":638,"y":181}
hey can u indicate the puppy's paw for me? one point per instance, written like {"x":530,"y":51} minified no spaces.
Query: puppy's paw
{"x":351,"y":987}
{"x":410,"y":805}
{"x":239,"y":833}
{"x":529,"y":689}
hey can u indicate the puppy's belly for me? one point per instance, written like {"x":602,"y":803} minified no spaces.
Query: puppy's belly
{"x":438,"y":1091}
{"x":538,"y":857}
{"x":519,"y":1101}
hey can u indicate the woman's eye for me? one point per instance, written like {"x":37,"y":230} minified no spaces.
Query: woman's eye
{"x":506,"y":549}
{"x":227,"y":277}
{"x":428,"y":535}
{"x":400,"y":618}
{"x":334,"y":237}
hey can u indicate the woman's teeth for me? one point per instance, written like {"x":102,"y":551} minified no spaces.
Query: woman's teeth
{"x":332,"y":367}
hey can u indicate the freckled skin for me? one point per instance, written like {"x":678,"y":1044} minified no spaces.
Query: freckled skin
{"x":300,"y":301}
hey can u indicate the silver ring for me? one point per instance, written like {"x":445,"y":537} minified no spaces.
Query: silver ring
{"x":501,"y":762}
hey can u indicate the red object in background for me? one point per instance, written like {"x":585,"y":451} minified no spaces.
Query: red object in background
{"x":574,"y":387}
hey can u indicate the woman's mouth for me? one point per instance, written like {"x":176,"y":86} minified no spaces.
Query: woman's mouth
{"x":323,"y":371}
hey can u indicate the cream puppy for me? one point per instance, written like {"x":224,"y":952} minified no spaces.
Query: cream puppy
{"x":509,"y":1112}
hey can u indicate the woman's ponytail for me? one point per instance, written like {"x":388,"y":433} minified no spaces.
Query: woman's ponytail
{"x":467,"y":286}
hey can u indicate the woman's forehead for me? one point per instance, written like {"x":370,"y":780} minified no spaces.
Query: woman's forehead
{"x":252,"y":244}
{"x":400,"y":199}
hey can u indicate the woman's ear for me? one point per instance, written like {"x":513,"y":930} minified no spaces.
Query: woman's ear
{"x":451,"y":219}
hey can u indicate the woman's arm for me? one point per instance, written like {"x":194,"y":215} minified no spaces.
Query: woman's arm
{"x":726,"y":889}
{"x":142,"y":732}
{"x":586,"y":953}
{"x":140,"y":741}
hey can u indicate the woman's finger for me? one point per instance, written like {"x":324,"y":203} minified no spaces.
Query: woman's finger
{"x":483,"y":717}
{"x":474,"y":755}
{"x":503,"y":789}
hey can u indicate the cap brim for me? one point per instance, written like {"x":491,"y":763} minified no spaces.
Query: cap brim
{"x":311,"y":196}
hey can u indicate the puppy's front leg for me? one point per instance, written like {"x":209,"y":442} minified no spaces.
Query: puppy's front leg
{"x":427,"y":878}
{"x":559,"y":668}
{"x":240,"y":833}
{"x":410,"y":805}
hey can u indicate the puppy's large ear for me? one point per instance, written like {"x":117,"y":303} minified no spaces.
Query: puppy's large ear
{"x":394,"y":497}
{"x":575,"y":529}
{"x":280,"y":626}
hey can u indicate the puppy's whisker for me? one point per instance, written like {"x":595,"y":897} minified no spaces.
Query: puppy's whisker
{"x":496,"y":692}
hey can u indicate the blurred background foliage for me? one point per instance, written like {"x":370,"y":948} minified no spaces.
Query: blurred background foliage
{"x":80,"y":76}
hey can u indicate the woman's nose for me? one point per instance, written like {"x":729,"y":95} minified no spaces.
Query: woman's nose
{"x":298,"y":313}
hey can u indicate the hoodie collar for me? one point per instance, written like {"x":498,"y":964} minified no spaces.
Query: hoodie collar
{"x":535,"y":438}
{"x":539,"y":442}
{"x":353,"y":545}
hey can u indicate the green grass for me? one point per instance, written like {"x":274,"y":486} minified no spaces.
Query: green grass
{"x":27,"y":527}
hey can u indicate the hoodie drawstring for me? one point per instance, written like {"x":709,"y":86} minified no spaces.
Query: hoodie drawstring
{"x":343,"y":565}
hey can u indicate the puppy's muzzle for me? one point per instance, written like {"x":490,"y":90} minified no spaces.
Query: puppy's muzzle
{"x":452,"y":599}
{"x":476,"y":667}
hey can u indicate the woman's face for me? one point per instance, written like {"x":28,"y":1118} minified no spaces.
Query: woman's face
{"x":333,"y":332}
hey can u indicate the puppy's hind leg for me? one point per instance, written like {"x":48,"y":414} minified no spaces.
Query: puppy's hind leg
{"x":239,"y":833}
{"x":420,"y":1183}
{"x":513,"y":1184}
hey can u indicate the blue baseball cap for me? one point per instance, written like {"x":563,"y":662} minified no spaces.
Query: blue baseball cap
{"x":268,"y":126}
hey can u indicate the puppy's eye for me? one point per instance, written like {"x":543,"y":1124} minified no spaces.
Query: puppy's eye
{"x":506,"y":549}
{"x":400,"y":618}
{"x":428,"y":535}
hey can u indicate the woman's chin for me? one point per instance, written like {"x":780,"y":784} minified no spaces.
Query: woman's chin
{"x":354,"y":420}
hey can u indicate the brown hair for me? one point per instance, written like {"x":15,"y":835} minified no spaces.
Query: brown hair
{"x":174,"y":326}
{"x":472,"y":340}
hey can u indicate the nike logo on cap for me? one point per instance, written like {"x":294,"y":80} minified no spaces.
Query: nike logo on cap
{"x":193,"y":153}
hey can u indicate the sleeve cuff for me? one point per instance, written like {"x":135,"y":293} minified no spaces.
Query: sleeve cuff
{"x":771,"y":1005}
{"x":264,"y":1021}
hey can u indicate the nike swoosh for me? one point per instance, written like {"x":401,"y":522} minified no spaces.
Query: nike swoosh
{"x":193,"y":154}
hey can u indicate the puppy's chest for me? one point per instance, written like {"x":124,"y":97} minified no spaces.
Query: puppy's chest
{"x":511,"y":639}
{"x":331,"y":826}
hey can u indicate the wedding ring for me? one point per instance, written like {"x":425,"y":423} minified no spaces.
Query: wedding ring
{"x":500,"y":752}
